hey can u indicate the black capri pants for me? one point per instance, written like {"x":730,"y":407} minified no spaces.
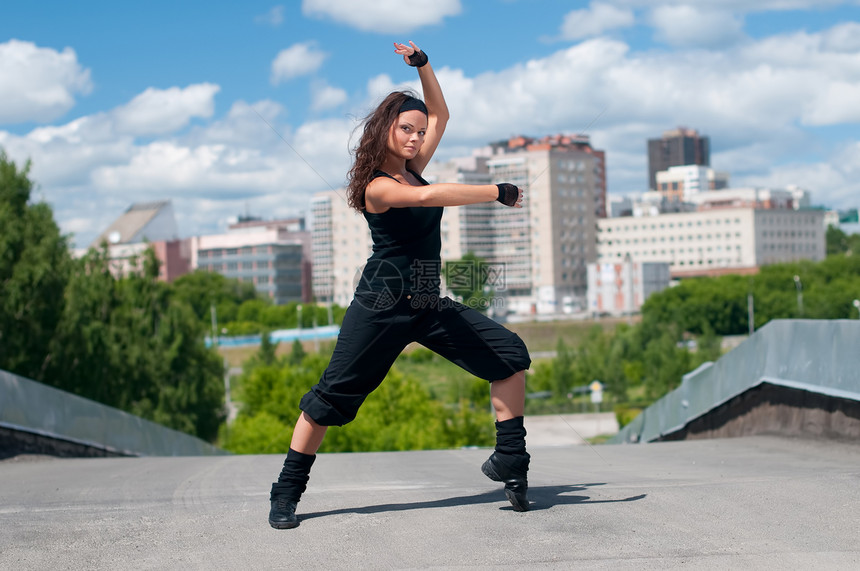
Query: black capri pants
{"x":375,"y":331}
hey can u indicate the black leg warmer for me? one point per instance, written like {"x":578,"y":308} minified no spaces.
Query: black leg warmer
{"x":510,"y":462}
{"x":294,"y":477}
{"x":511,"y":436}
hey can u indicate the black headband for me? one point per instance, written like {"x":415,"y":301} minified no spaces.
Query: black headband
{"x":413,"y":104}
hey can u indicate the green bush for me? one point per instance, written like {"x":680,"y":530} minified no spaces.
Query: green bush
{"x":625,"y":413}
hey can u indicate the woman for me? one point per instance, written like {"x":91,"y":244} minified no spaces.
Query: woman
{"x":397,"y":298}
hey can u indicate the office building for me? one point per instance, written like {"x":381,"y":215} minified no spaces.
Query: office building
{"x":761,"y":198}
{"x":141,"y":222}
{"x":622,"y":287}
{"x":144,"y":225}
{"x":714,"y":241}
{"x":273,"y":255}
{"x":682,"y":183}
{"x":677,"y":147}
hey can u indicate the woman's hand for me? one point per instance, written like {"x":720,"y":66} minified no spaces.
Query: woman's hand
{"x":411,"y":54}
{"x":510,"y":195}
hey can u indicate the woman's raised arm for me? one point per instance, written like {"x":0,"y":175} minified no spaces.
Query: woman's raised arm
{"x":437,"y":109}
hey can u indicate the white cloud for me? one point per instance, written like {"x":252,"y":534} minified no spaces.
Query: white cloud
{"x":163,"y":111}
{"x":296,"y":60}
{"x":597,"y":19}
{"x":686,"y":25}
{"x":834,"y":104}
{"x":325,"y":96}
{"x":737,"y":6}
{"x":760,"y":92}
{"x":843,"y":37}
{"x":247,"y":125}
{"x":274,"y":17}
{"x":383,"y":16}
{"x":835,"y":184}
{"x":38,"y":84}
{"x":380,"y":86}
{"x":753,"y":100}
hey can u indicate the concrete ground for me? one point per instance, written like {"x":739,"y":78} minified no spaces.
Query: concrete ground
{"x":745,"y":503}
{"x":567,"y":429}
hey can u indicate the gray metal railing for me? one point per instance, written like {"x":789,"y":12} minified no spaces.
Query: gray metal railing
{"x":821,"y":356}
{"x":35,"y":408}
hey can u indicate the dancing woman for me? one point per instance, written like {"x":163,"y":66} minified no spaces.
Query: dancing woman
{"x":397,"y":299}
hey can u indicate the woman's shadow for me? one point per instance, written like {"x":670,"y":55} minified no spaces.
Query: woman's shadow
{"x":540,"y":498}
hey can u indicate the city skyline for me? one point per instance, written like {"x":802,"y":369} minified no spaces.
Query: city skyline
{"x":225,"y":109}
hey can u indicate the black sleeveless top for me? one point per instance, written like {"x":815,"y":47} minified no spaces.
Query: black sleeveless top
{"x":406,"y":245}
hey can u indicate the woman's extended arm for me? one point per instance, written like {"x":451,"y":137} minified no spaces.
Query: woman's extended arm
{"x":437,"y":109}
{"x":384,"y":193}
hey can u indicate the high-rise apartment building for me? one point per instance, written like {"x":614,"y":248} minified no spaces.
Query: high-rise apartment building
{"x":544,"y":247}
{"x":677,"y":147}
{"x":538,"y":253}
{"x":341,"y":244}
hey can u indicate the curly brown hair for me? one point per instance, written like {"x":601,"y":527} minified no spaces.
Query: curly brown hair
{"x":372,"y":147}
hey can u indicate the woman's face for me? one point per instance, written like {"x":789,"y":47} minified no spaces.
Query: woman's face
{"x":407,"y":134}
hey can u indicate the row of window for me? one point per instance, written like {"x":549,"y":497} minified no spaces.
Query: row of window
{"x":571,"y":165}
{"x":791,"y":247}
{"x":245,"y":251}
{"x":264,"y":265}
{"x":699,"y":262}
{"x":672,"y":251}
{"x":574,"y":276}
{"x":790,"y":220}
{"x":664,"y":225}
{"x":787,"y":234}
{"x":573,"y":179}
{"x":690,"y":238}
{"x":259,"y":280}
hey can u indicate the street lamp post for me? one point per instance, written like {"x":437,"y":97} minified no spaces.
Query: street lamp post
{"x":799,"y":287}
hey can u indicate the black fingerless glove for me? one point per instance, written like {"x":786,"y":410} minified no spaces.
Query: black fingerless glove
{"x":508,"y":194}
{"x":418,"y":58}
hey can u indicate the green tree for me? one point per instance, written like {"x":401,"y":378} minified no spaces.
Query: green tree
{"x":467,"y":279}
{"x":201,"y":290}
{"x":562,"y":378}
{"x":297,"y":353}
{"x":836,"y":240}
{"x":399,"y":415}
{"x":130,"y":344}
{"x":34,"y":268}
{"x":267,"y":351}
{"x":252,"y":310}
{"x":664,"y":363}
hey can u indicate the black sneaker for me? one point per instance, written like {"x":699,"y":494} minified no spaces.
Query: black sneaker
{"x":512,"y":469}
{"x":283,"y":514}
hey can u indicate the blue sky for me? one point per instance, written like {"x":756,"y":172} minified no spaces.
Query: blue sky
{"x":117,"y":102}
